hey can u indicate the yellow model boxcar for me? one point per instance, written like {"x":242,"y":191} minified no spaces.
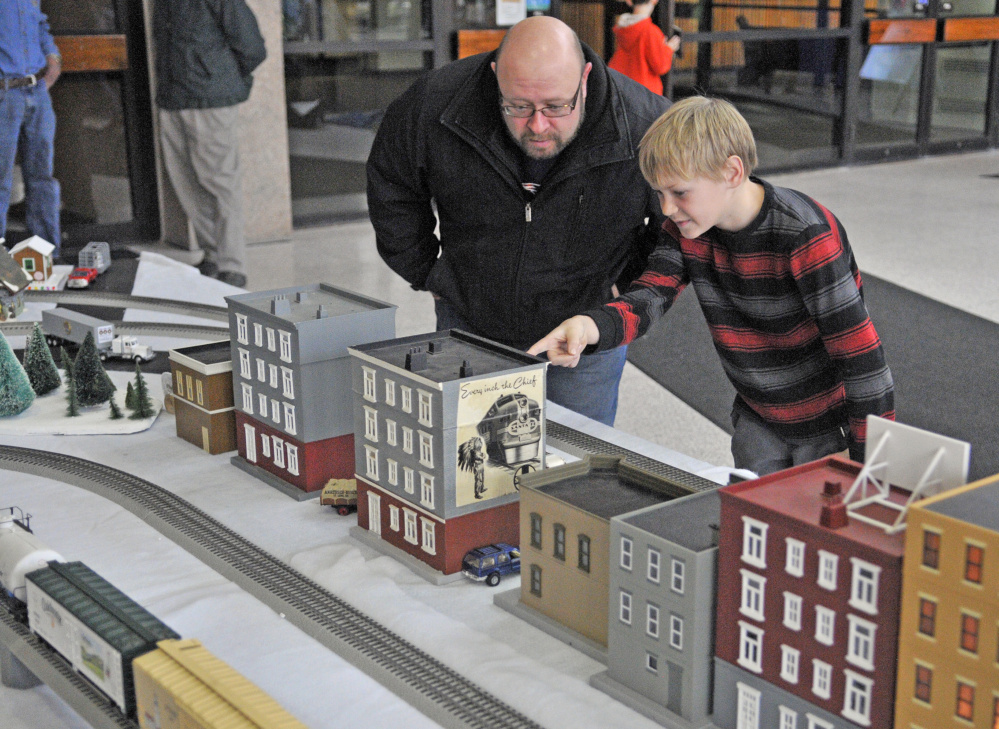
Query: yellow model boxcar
{"x":181,"y":685}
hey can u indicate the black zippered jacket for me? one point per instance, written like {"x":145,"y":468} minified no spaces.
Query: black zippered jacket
{"x":206,"y":51}
{"x":513,"y":264}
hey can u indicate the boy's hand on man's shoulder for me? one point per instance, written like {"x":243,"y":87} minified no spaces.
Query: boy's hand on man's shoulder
{"x":566,"y":342}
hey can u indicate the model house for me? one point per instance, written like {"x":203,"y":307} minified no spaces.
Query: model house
{"x":565,"y":537}
{"x":291,"y":381}
{"x":13,"y":283}
{"x":661,"y":609}
{"x":948,"y":659}
{"x":202,"y":389}
{"x":445,"y":425}
{"x":34,"y":255}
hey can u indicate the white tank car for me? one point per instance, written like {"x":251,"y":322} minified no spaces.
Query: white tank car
{"x":21,"y":552}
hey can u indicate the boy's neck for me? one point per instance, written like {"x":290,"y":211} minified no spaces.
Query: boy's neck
{"x":643,"y":11}
{"x":747,"y":201}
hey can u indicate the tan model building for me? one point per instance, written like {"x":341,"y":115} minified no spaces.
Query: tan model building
{"x":203,"y":399}
{"x":948,"y":658}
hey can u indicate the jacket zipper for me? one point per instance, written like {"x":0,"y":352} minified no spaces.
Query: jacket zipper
{"x":527,"y":212}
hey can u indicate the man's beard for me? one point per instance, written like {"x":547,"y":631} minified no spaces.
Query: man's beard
{"x":551,"y":134}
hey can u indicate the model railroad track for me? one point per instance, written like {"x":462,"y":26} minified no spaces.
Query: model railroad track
{"x":438,"y":691}
{"x":580,"y":444}
{"x":138,"y":328}
{"x":127,"y":301}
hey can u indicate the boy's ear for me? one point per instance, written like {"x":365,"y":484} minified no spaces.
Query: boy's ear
{"x":734,"y":171}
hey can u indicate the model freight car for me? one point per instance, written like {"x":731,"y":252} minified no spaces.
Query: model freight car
{"x":63,"y":326}
{"x":97,"y":628}
{"x":21,"y":552}
{"x":95,"y":255}
{"x":181,"y":685}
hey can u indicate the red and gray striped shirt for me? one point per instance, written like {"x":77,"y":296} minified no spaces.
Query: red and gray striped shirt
{"x":784,"y":303}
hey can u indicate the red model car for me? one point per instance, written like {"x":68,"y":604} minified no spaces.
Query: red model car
{"x":80,"y":278}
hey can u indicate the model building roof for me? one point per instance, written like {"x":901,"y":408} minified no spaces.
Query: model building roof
{"x":798,"y":494}
{"x":12,"y":276}
{"x":299,"y":304}
{"x":978,"y":505}
{"x":447,"y":356}
{"x":690,"y":522}
{"x":35,"y":243}
{"x":211,"y":353}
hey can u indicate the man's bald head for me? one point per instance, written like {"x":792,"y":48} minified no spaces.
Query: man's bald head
{"x":539,"y":41}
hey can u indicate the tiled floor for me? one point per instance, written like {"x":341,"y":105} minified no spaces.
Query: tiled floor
{"x":930,"y":225}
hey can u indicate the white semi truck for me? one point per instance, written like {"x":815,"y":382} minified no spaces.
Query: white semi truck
{"x":63,"y":325}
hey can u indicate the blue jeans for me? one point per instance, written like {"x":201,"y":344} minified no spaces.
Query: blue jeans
{"x":757,"y":448}
{"x":26,"y":114}
{"x":589,"y":388}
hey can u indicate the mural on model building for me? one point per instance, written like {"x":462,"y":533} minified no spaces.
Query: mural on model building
{"x":499,"y":435}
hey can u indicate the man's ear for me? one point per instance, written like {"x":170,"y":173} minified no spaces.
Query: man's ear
{"x":734,"y":171}
{"x":493,"y":67}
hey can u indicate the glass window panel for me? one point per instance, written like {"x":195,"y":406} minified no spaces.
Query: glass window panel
{"x":889,"y":95}
{"x":960,"y":92}
{"x":356,"y":20}
{"x":72,"y":17}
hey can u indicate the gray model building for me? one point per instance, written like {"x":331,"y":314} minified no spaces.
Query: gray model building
{"x":291,"y":381}
{"x":13,"y":283}
{"x":660,"y":647}
{"x":445,"y":423}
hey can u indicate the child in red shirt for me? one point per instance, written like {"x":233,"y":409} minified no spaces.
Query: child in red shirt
{"x":642,"y":52}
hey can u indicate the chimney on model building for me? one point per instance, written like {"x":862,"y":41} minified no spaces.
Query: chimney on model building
{"x":466,"y":369}
{"x":834,"y":514}
{"x":280,"y":306}
{"x":416,"y":359}
{"x":436,"y":347}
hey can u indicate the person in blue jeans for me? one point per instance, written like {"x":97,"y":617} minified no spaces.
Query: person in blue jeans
{"x":30,"y":64}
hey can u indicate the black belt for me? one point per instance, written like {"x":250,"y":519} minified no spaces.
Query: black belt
{"x":16,"y":83}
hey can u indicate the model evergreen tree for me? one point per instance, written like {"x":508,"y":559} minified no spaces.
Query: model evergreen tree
{"x":143,"y":403}
{"x":115,"y":410}
{"x":16,"y":394}
{"x":93,"y":386}
{"x":38,"y":363}
{"x":66,"y":364}
{"x":130,"y":397}
{"x":73,"y":402}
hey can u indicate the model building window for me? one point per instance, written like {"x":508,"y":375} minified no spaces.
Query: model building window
{"x":244,"y":364}
{"x":429,"y":536}
{"x":974,"y":558}
{"x":28,"y":264}
{"x":678,"y":570}
{"x":390,"y":436}
{"x":652,"y":620}
{"x":407,"y":439}
{"x":275,"y":411}
{"x":371,"y":424}
{"x":258,"y":334}
{"x":559,"y":548}
{"x":969,"y":632}
{"x":410,"y":526}
{"x":965,"y":701}
{"x":261,"y":370}
{"x":584,"y":552}
{"x":828,"y":563}
{"x":286,"y":346}
{"x":250,"y":441}
{"x":427,"y":490}
{"x":190,"y":386}
{"x":393,"y":517}
{"x":931,"y":549}
{"x":857,"y":702}
{"x":995,"y":713}
{"x":407,"y":398}
{"x":535,"y":580}
{"x":860,"y":645}
{"x":263,"y":405}
{"x":536,"y":530}
{"x":265,"y":446}
{"x":371,"y":462}
{"x":409,"y":479}
{"x":289,"y":419}
{"x":292,"y":458}
{"x":369,"y":384}
{"x":864,"y":586}
{"x":651,"y":663}
{"x":924,"y":682}
{"x":825,"y":621}
{"x":247,"y":398}
{"x":278,"y":451}
{"x":752,"y":595}
{"x":270,"y":340}
{"x":792,"y":611}
{"x":241,"y":329}
{"x":626,"y":553}
{"x":747,"y":707}
{"x":624,"y":607}
{"x":390,"y":392}
{"x":927,"y":616}
{"x":425,"y":416}
{"x":788,"y":718}
{"x":179,"y":386}
{"x":821,"y":678}
{"x":273,"y":372}
{"x":426,"y":449}
{"x":790,"y":659}
{"x":200,"y":392}
{"x":676,"y":632}
{"x":287,"y":383}
{"x":754,"y":542}
{"x":750,"y":647}
{"x":795,"y":564}
{"x":652,"y":568}
{"x":393,"y":472}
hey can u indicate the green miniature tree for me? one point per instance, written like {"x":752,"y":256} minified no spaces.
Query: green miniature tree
{"x":143,"y":403}
{"x":38,"y":363}
{"x":93,"y":386}
{"x":67,"y":365}
{"x":130,"y":397}
{"x":115,"y":410}
{"x":73,"y":402}
{"x":16,"y":394}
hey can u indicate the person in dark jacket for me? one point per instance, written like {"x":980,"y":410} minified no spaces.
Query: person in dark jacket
{"x":206,"y":51}
{"x":527,"y":155}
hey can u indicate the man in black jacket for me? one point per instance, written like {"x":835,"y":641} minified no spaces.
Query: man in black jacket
{"x":206,"y":51}
{"x":527,"y":155}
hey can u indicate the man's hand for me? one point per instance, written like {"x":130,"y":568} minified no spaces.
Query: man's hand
{"x":53,"y":69}
{"x":566,"y":342}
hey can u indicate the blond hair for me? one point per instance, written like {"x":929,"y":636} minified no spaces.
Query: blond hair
{"x":694,"y":138}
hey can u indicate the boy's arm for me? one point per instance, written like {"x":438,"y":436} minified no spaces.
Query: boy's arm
{"x":566,"y":342}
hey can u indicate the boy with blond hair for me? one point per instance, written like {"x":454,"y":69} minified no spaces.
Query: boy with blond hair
{"x":777,"y":283}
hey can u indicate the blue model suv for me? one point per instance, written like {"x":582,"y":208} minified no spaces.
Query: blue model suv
{"x":488,"y":564}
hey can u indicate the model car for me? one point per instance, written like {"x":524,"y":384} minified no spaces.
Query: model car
{"x":80,"y":278}
{"x":341,"y":494}
{"x":489,"y":563}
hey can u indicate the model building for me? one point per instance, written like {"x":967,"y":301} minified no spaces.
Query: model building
{"x":948,"y":659}
{"x":14,"y":282}
{"x":291,"y":381}
{"x":445,"y":424}
{"x":34,"y":256}
{"x":202,"y":389}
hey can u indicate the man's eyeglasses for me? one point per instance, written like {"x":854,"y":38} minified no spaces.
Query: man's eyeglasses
{"x":552,"y":112}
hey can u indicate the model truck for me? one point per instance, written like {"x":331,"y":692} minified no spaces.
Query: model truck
{"x":95,"y":255}
{"x":62,"y":326}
